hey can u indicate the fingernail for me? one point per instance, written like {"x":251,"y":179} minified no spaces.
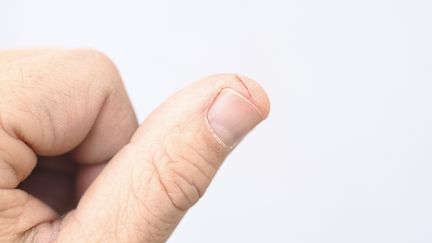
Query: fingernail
{"x":232,"y":116}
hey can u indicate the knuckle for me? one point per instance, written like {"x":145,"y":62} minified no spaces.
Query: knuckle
{"x":89,"y":54}
{"x":15,"y":117}
{"x":56,"y":88}
{"x":9,"y":177}
{"x":97,"y":69}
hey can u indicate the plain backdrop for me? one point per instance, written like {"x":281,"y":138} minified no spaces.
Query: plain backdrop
{"x":345,"y":155}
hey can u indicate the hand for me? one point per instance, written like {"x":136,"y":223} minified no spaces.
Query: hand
{"x":76,"y":167}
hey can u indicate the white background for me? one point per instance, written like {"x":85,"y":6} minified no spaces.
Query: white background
{"x":345,"y":155}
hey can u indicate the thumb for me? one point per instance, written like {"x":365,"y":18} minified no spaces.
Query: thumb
{"x":145,"y":190}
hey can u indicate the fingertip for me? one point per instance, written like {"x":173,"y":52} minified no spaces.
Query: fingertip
{"x":239,"y":104}
{"x":244,"y":85}
{"x":258,"y":96}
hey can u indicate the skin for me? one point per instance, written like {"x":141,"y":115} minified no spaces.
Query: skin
{"x":75,"y":166}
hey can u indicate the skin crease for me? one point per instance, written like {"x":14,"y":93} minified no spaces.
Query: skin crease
{"x":75,"y":166}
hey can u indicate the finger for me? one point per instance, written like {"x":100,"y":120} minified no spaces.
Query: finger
{"x":59,"y":91}
{"x":11,"y":55}
{"x":144,"y":191}
{"x":53,"y":103}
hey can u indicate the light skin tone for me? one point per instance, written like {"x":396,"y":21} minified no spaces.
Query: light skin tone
{"x":75,"y":166}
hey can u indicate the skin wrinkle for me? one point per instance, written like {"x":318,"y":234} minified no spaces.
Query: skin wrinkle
{"x":53,"y":103}
{"x":80,"y":100}
{"x":149,"y":222}
{"x":11,"y":164}
{"x":99,"y":108}
{"x":200,"y":191}
{"x":186,"y":127}
{"x":161,"y":181}
{"x":135,"y":196}
{"x":146,"y":191}
{"x":88,"y":89}
{"x":38,"y":120}
{"x":29,"y":110}
{"x":32,"y":229}
{"x":199,"y":154}
{"x":32,"y":235}
{"x":3,"y":209}
{"x":152,"y":233}
{"x":187,"y":196}
{"x":28,"y":199}
{"x":10,"y":168}
{"x":14,"y":180}
{"x":125,"y":207}
{"x":180,"y":157}
{"x":186,"y":160}
{"x":153,"y":176}
{"x":51,"y":125}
